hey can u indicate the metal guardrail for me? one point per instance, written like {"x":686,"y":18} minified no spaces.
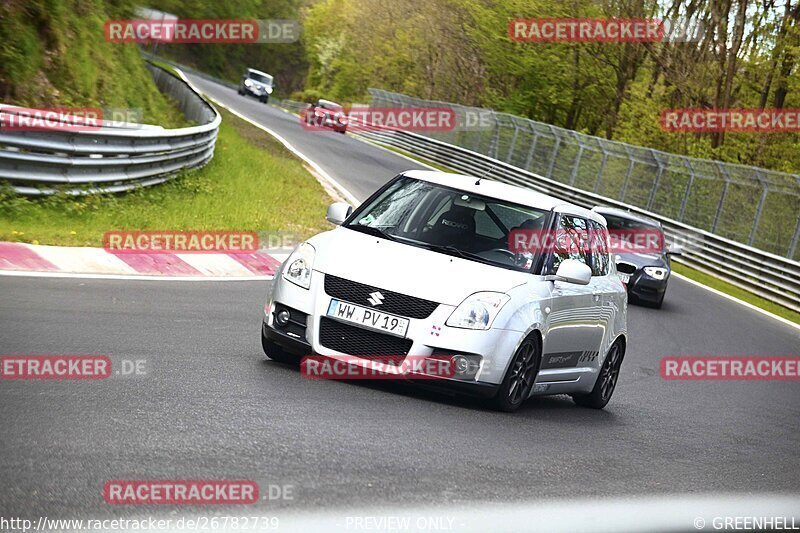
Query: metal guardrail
{"x":768,"y":275}
{"x":765,"y":274}
{"x":187,"y":69}
{"x":753,"y":206}
{"x":110,"y":158}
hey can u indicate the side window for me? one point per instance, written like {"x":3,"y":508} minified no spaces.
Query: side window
{"x":570,"y":242}
{"x":600,"y":258}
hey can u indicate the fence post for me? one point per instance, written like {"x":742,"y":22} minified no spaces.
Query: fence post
{"x":553,"y":157}
{"x":656,"y":181}
{"x":688,"y":191}
{"x":576,"y":165}
{"x":627,"y":178}
{"x":602,"y":168}
{"x":532,"y":149}
{"x":721,"y":198}
{"x":759,"y":209}
{"x":513,"y":142}
{"x":492,"y":152}
{"x":795,"y":239}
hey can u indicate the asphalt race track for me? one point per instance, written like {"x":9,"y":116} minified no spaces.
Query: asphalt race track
{"x":211,"y":407}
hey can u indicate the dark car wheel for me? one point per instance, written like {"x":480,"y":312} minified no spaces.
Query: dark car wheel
{"x":606,"y":380}
{"x":275,"y":352}
{"x":520,"y":375}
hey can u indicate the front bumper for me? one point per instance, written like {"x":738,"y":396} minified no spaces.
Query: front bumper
{"x":645,"y":288}
{"x":256,"y":91}
{"x":294,"y":346}
{"x":495,"y":346}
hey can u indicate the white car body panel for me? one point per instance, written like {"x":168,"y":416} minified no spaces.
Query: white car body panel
{"x":577,"y":323}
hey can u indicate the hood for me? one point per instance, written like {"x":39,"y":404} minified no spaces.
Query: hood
{"x":407,"y":269}
{"x":643,"y":259}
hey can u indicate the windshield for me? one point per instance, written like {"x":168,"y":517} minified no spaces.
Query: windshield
{"x":267,"y":80}
{"x":634,"y":235}
{"x":450,"y":221}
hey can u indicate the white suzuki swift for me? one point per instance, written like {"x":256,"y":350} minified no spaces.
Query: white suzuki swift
{"x":423,"y":268}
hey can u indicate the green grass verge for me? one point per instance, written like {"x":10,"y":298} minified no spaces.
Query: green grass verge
{"x":736,"y":292}
{"x":252,"y":184}
{"x":54,"y":54}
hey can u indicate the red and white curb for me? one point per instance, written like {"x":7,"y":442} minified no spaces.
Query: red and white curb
{"x":64,"y":261}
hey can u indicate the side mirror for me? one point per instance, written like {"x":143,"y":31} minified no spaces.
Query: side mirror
{"x":573,"y":271}
{"x":338,"y":212}
{"x":675,"y":249}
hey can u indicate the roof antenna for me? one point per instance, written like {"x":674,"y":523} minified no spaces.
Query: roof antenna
{"x":478,"y":182}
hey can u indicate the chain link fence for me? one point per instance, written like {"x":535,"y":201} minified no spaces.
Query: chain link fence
{"x":750,"y":205}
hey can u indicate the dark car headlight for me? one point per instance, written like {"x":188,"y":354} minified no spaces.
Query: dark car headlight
{"x":658,"y":273}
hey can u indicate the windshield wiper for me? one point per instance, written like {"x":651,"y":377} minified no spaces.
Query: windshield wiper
{"x":452,"y":250}
{"x":371,"y":230}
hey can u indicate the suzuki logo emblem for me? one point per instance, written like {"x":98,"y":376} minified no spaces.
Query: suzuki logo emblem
{"x":375,"y":298}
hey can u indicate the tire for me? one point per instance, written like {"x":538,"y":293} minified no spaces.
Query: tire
{"x":342,"y":132}
{"x":606,"y":380}
{"x":519,"y":378}
{"x":275,"y":352}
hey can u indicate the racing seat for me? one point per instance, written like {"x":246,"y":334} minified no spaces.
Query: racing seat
{"x":455,"y":227}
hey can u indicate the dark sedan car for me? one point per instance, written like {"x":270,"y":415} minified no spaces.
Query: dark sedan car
{"x":644,"y":264}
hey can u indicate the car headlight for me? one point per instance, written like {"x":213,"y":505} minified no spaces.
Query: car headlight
{"x":478,"y":310}
{"x":248,"y":83}
{"x":658,"y":273}
{"x":299,"y":265}
{"x":268,"y":89}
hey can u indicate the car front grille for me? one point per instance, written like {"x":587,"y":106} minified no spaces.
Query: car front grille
{"x":360,"y":342}
{"x":392,"y":302}
{"x":626,"y":268}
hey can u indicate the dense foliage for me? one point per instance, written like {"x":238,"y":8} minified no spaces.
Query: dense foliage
{"x":53,"y":54}
{"x":459,"y":50}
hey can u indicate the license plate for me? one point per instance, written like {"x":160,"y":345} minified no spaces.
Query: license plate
{"x":368,"y":318}
{"x":625,"y":278}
